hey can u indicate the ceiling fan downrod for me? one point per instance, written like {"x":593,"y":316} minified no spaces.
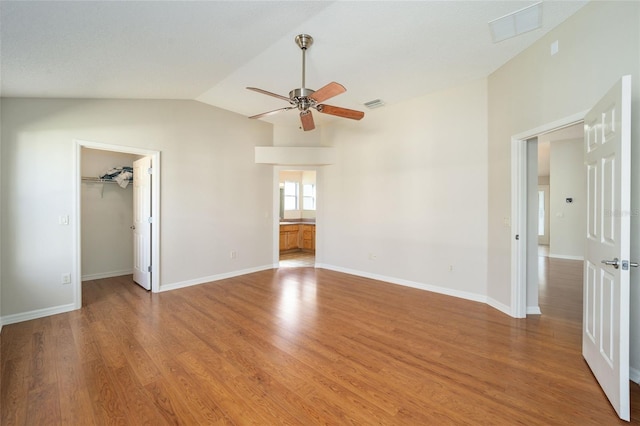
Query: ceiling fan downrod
{"x":304,"y":41}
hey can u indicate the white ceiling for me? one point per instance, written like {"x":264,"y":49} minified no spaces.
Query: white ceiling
{"x":211,"y":50}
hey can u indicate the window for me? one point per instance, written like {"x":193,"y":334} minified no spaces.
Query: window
{"x":290,"y":195}
{"x":308,"y":196}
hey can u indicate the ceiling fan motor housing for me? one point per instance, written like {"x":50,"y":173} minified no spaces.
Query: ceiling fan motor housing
{"x":300,"y":98}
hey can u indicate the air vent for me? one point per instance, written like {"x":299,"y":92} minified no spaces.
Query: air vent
{"x":516,"y":23}
{"x":376,"y":103}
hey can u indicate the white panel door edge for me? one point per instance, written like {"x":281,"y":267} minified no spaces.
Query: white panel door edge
{"x":142,"y":222}
{"x":605,"y":329}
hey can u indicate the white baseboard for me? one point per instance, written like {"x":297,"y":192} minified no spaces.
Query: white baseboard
{"x":566,"y":257}
{"x":111,"y":274}
{"x":218,"y":277}
{"x":38,"y":313}
{"x":534,"y":310}
{"x":422,"y":286}
{"x":634,"y":375}
{"x":505,"y":309}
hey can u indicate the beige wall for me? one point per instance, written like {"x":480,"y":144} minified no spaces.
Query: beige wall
{"x":598,"y":45}
{"x":407,"y":199}
{"x":568,"y":179}
{"x":214,"y":198}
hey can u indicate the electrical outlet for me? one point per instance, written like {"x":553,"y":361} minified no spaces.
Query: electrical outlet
{"x":66,"y":278}
{"x":233,"y":254}
{"x":450,"y":268}
{"x":372,"y":256}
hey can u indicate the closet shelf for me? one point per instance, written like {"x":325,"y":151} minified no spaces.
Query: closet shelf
{"x":99,"y":180}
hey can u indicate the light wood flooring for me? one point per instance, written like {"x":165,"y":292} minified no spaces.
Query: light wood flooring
{"x":301,"y":346}
{"x":297,"y":259}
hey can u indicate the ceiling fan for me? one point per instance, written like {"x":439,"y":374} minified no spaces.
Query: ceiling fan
{"x":304,"y":99}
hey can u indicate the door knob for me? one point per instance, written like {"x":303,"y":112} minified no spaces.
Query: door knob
{"x":132,"y":227}
{"x":615,"y":262}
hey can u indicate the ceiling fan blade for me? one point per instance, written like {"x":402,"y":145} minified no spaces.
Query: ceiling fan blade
{"x":307,"y":120}
{"x":329,"y":91}
{"x":271,"y":112}
{"x":264,"y":92}
{"x":340,"y":112}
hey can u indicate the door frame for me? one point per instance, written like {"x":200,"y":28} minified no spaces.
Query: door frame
{"x":276,"y":210}
{"x":155,"y":211}
{"x":519,"y":191}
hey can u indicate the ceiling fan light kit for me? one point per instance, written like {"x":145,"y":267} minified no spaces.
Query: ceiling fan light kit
{"x":305,"y":99}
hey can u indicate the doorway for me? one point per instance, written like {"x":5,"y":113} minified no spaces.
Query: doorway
{"x":114,"y":152}
{"x":524,"y":252}
{"x":556,"y":203}
{"x":297,"y":204}
{"x":106,"y":213}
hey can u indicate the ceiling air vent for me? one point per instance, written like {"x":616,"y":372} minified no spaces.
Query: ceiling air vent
{"x":516,"y":23}
{"x":376,"y":103}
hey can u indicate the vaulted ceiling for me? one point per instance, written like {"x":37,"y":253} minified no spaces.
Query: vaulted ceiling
{"x":211,"y":50}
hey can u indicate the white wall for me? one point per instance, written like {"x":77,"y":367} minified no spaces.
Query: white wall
{"x":567,"y":222}
{"x":292,"y":136}
{"x":107,"y":215}
{"x":214,"y":198}
{"x":597,"y":45}
{"x":407,"y":199}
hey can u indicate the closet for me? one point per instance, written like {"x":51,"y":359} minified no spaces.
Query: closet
{"x":106,"y":216}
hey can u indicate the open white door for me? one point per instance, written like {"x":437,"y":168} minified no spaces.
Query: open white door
{"x":142,"y":222}
{"x":605,"y":328}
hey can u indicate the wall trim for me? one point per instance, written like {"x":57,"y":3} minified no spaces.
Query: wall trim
{"x":110,"y":274}
{"x":38,"y":313}
{"x":567,"y":257}
{"x":474,"y":297}
{"x":634,"y":375}
{"x":505,"y":309}
{"x":212,"y":278}
{"x":534,"y":310}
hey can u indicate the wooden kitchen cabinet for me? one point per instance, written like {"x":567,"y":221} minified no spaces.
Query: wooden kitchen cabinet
{"x":308,"y":238}
{"x":289,"y":237}
{"x":298,"y":237}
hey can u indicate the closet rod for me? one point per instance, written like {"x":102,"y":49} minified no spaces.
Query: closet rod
{"x":100,"y":180}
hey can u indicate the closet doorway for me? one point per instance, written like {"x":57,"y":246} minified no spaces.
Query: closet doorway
{"x":112,"y":240}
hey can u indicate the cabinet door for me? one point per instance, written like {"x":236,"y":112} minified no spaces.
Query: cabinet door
{"x":292,"y":237}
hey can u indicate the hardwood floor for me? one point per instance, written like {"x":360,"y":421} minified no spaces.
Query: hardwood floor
{"x":297,"y":259}
{"x":297,"y":346}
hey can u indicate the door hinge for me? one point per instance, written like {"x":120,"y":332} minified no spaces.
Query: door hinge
{"x":150,"y":220}
{"x":149,"y":268}
{"x":150,"y":170}
{"x":517,"y":236}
